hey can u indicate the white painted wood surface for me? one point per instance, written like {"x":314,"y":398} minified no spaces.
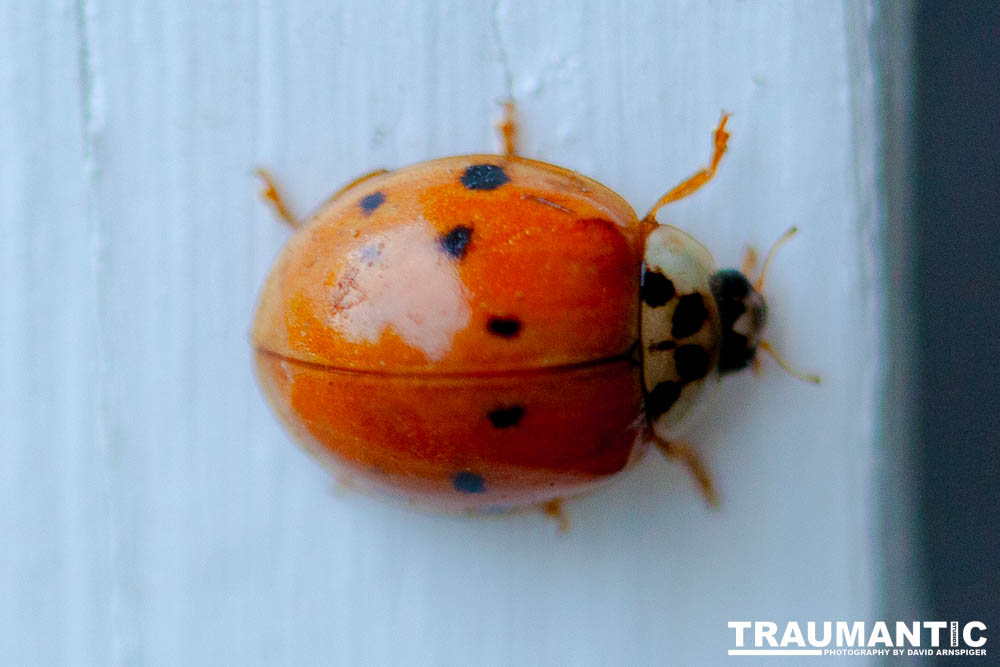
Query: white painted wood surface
{"x":152,"y":510}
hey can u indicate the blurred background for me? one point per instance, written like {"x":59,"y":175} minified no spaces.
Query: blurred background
{"x":957,"y":215}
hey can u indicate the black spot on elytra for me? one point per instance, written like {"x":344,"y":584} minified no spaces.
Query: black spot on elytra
{"x":372,"y":202}
{"x":662,"y":398}
{"x":484,"y":177}
{"x":691,"y":362}
{"x":656,"y":289}
{"x":456,"y":242}
{"x":505,"y":327}
{"x":662,"y":346}
{"x":468,"y":482}
{"x":689,"y":315}
{"x":506,"y":416}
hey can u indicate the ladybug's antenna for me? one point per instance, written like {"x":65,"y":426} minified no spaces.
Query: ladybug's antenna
{"x":759,"y":283}
{"x":805,"y":377}
{"x":748,"y":263}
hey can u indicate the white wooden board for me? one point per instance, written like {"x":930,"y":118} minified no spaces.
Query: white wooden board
{"x":153,"y":512}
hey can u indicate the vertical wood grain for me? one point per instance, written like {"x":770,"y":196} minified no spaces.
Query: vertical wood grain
{"x":56,"y":526}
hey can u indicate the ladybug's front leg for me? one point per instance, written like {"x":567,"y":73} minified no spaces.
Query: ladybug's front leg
{"x":691,"y":460}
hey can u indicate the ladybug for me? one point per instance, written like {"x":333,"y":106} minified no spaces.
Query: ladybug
{"x":487,"y":333}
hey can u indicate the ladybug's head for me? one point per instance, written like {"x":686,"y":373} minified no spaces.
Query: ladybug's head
{"x":742,"y":315}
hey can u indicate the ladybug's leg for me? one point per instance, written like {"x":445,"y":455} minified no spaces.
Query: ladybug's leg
{"x":508,"y":129}
{"x":273,"y":197}
{"x":719,"y":139}
{"x":344,"y":484}
{"x":554,"y":509}
{"x":691,"y":460}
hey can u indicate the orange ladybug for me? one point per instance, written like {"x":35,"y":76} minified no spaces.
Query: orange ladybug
{"x":488,"y":332}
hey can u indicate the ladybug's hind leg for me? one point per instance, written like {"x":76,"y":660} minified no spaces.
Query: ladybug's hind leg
{"x":690,"y":459}
{"x":273,"y":197}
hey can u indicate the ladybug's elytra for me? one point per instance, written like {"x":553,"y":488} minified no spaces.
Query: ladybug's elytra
{"x":487,"y":332}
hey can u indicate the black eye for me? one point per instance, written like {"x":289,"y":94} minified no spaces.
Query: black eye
{"x":729,"y":284}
